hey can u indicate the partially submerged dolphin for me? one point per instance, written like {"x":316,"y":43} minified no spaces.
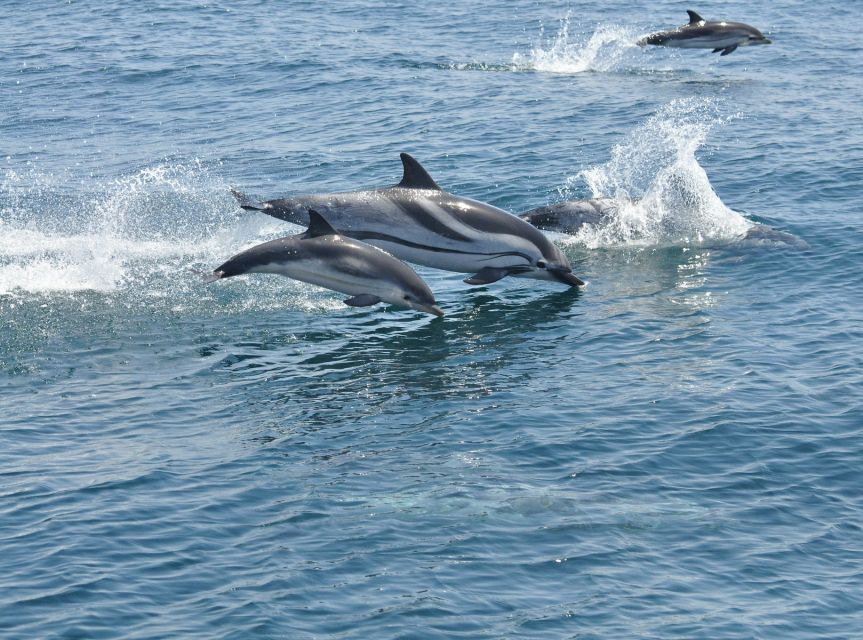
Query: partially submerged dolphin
{"x":701,"y":34}
{"x":572,"y":215}
{"x":419,"y":222}
{"x":323,"y":257}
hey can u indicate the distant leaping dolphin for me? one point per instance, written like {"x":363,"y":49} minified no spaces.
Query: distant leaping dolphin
{"x":323,"y":257}
{"x":701,"y":34}
{"x":419,"y":222}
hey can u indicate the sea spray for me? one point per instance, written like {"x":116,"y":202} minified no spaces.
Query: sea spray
{"x":110,"y":236}
{"x":664,"y":195}
{"x":605,"y":49}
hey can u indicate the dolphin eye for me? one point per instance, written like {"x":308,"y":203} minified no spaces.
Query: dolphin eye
{"x":541,"y":264}
{"x":407,"y":296}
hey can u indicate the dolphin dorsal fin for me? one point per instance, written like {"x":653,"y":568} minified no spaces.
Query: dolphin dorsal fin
{"x":318,"y":226}
{"x":694,"y":18}
{"x":415,"y":177}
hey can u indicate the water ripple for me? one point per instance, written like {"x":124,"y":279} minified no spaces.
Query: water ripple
{"x":671,"y":452}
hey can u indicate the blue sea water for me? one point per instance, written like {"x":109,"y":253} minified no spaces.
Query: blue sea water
{"x":673,"y":452}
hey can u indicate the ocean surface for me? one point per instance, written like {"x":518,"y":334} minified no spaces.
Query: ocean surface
{"x":675,"y":451}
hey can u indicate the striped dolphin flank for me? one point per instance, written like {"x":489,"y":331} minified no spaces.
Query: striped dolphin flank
{"x":417,"y":221}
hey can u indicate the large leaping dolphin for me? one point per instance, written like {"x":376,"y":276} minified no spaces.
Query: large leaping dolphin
{"x":419,"y":222}
{"x":701,"y":34}
{"x":323,"y":257}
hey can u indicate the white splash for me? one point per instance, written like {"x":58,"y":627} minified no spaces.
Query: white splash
{"x":162,"y":218}
{"x":664,"y":195}
{"x":603,"y":50}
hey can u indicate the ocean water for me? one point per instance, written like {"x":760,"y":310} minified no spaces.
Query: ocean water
{"x":672,"y":452}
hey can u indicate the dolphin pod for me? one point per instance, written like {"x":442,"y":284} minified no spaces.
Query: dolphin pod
{"x":702,"y":34}
{"x":322,"y":257}
{"x":356,"y":240}
{"x":417,"y":221}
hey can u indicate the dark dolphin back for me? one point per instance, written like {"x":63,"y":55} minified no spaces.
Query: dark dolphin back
{"x":569,"y":216}
{"x":280,"y":250}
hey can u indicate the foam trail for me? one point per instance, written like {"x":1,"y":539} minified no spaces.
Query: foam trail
{"x":664,"y":194}
{"x":115,"y":236}
{"x":604,"y":50}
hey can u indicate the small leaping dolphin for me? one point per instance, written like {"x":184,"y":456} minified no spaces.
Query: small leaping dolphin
{"x":419,"y":222}
{"x":323,"y":257}
{"x":701,"y":34}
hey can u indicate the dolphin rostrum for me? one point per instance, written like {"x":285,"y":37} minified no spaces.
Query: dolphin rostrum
{"x":323,"y":257}
{"x":419,"y":222}
{"x":701,"y":34}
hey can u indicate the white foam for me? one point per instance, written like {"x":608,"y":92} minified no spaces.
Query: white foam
{"x":604,"y":49}
{"x":163,"y":217}
{"x":664,"y":195}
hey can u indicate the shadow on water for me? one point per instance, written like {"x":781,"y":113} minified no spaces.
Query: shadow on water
{"x":373,"y":364}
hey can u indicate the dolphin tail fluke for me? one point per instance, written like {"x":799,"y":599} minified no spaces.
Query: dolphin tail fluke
{"x":208,"y":276}
{"x":247,"y":203}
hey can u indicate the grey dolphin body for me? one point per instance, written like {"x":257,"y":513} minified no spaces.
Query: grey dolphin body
{"x":701,"y":34}
{"x":572,"y":215}
{"x":323,"y":257}
{"x":419,"y":222}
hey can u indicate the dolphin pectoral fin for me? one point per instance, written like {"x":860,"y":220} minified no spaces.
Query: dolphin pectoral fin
{"x":728,"y":50}
{"x":362,"y":300}
{"x":246,"y":202}
{"x":717,"y":49}
{"x":486,"y":275}
{"x":571,"y":279}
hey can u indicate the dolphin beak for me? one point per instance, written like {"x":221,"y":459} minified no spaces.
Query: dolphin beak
{"x":567,"y":277}
{"x":430,"y":308}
